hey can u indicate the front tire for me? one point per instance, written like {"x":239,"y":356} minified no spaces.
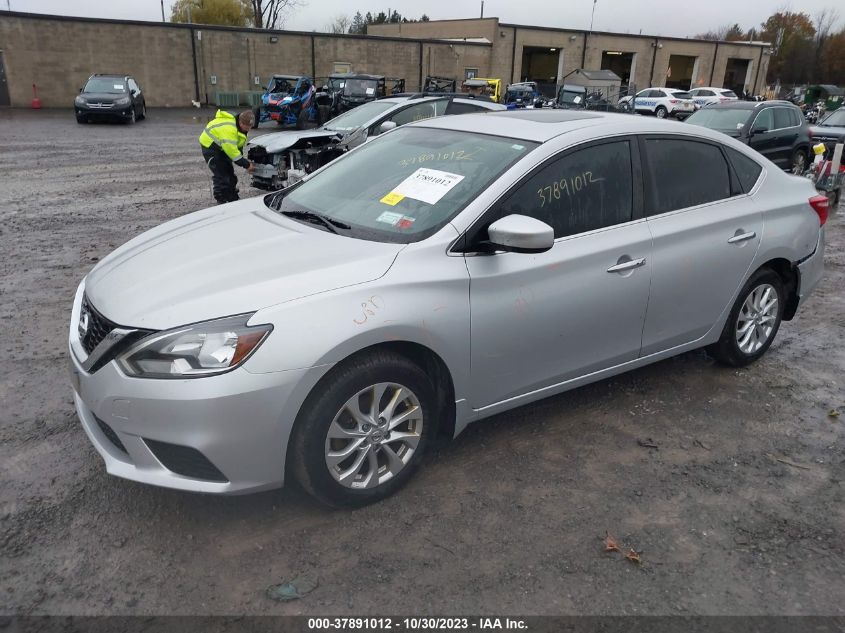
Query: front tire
{"x":753,"y":321}
{"x":364,"y":429}
{"x":302,"y":119}
{"x":143,"y":111}
{"x":132,"y":118}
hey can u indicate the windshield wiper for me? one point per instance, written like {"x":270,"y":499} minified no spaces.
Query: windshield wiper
{"x":310,"y":216}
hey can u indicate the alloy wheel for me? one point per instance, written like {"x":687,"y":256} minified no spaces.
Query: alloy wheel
{"x":374,"y":435}
{"x":757,"y":318}
{"x":799,"y":163}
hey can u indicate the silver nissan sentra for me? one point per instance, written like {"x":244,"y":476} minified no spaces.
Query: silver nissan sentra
{"x":444,"y":272}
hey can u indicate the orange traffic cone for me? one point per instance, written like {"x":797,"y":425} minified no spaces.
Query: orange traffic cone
{"x":36,"y":102}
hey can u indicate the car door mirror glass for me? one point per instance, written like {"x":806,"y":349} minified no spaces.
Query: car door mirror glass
{"x":521,"y":234}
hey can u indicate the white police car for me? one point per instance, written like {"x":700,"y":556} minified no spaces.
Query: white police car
{"x":661,"y":102}
{"x":707,"y":95}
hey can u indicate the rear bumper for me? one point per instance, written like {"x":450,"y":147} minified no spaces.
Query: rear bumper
{"x":811,"y":271}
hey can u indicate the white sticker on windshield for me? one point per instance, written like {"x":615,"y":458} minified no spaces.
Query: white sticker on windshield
{"x":427,"y":185}
{"x":371,"y":91}
{"x":118,"y":86}
{"x":389,"y":217}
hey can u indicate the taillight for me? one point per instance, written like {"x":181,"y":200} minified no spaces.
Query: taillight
{"x":673,"y":101}
{"x":821,"y":205}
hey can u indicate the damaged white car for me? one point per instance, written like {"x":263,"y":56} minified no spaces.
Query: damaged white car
{"x":284,"y":158}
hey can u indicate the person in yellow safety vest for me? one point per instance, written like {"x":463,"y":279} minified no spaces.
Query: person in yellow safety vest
{"x":222,"y":143}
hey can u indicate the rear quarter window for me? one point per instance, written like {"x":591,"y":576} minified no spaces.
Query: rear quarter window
{"x":685,"y":173}
{"x":746,"y":169}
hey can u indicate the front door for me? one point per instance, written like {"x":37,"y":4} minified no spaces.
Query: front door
{"x":4,"y":85}
{"x":706,"y":234}
{"x":541,"y":319}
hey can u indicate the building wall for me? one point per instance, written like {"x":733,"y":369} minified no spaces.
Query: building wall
{"x":59,"y":54}
{"x":506,"y":61}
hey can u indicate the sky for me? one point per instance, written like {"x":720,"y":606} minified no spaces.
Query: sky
{"x":651,"y":17}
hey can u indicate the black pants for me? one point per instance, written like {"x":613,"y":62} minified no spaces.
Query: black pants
{"x":223,"y":180}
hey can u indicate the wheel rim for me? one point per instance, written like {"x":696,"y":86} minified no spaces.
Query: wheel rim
{"x":661,"y":113}
{"x":798,"y":163}
{"x":757,"y":318}
{"x":374,"y":435}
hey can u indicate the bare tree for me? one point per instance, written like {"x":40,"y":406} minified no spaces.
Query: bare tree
{"x":824,"y":21}
{"x":339,"y":24}
{"x":730,"y":32}
{"x":270,"y":14}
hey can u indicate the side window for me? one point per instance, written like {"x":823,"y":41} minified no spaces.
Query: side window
{"x":584,"y":190}
{"x":659,"y":94}
{"x":747,"y":170}
{"x":419,"y":112}
{"x":684,"y":174}
{"x":782,"y":118}
{"x":764,"y":121}
{"x":459,"y":107}
{"x":707,"y":93}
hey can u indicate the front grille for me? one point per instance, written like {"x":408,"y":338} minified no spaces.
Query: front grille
{"x":111,"y":435}
{"x":186,"y":461}
{"x":99,"y":104}
{"x":98,"y":326}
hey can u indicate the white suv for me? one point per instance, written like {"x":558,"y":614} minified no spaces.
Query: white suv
{"x":706,"y":96}
{"x":661,"y":102}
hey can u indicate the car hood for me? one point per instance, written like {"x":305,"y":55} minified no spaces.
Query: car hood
{"x":278,"y":141}
{"x":227,"y":260}
{"x":103,"y":96}
{"x":828,"y":131}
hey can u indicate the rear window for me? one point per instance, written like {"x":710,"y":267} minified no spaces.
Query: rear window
{"x":729,"y":93}
{"x":722,"y":119}
{"x":685,"y":174}
{"x":747,"y":170}
{"x":682,"y":95}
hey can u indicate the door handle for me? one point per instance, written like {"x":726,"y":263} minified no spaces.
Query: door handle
{"x":630,"y":264}
{"x":742,"y":237}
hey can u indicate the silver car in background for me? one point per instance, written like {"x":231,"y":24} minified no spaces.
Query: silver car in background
{"x":447,"y":271}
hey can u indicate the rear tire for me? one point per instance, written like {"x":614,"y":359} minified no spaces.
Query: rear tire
{"x":753,"y":321}
{"x":302,"y":119}
{"x":660,"y":112}
{"x":314,"y":455}
{"x":798,"y":163}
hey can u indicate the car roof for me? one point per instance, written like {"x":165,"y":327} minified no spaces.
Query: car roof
{"x":545,"y":124}
{"x":748,"y":105}
{"x":289,"y":76}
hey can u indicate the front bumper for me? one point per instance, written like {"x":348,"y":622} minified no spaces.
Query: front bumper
{"x":224,"y":434}
{"x":122,"y":112}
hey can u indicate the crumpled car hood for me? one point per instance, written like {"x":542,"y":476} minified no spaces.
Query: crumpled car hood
{"x":232,"y":259}
{"x":279,"y":141}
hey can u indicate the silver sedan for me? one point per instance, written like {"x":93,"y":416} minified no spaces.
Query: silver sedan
{"x":447,"y":271}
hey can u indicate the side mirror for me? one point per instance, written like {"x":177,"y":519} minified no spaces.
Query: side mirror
{"x":758,"y":130}
{"x":521,"y":234}
{"x":386,"y":126}
{"x":81,"y":89}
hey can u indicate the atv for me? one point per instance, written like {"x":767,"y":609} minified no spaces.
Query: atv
{"x":288,"y":100}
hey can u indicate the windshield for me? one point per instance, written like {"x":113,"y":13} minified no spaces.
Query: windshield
{"x":359,"y":116}
{"x":406,"y":185}
{"x":280,"y":85}
{"x":359,"y":87}
{"x":112,"y":85}
{"x":570,"y":97}
{"x":834,"y":119}
{"x":722,"y":119}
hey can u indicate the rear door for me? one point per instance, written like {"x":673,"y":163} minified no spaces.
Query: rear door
{"x":706,"y":232}
{"x":541,"y":319}
{"x":765,"y":139}
{"x":786,"y":132}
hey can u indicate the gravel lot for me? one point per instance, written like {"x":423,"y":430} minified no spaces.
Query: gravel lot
{"x":738,"y":511}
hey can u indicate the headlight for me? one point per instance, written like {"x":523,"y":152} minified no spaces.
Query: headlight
{"x":80,"y":101}
{"x":123,"y":101}
{"x":194,"y":351}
